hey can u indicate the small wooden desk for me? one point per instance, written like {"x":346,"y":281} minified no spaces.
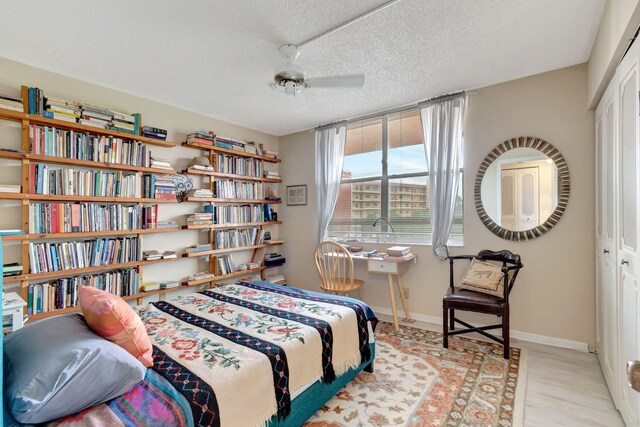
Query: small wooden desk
{"x":392,"y":267}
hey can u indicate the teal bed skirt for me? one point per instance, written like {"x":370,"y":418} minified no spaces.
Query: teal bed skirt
{"x":313,"y":398}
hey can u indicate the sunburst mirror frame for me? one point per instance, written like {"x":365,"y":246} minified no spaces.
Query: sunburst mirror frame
{"x":564,"y":188}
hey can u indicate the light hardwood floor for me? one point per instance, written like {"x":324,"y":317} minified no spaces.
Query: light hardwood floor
{"x":564,"y":387}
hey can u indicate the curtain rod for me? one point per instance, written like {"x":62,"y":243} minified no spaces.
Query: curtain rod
{"x":330,"y":125}
{"x":443,"y":97}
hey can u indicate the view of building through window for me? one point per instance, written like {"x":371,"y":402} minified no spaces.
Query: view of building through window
{"x":385,"y":175}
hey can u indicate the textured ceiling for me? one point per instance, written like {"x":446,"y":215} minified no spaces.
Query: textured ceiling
{"x":218,"y":57}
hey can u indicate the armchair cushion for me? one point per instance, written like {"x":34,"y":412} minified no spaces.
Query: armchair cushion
{"x":483,"y":277}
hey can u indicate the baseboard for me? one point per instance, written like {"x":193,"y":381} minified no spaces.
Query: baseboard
{"x":524,"y":336}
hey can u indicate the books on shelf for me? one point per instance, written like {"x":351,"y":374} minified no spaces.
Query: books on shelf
{"x":77,"y":182}
{"x":150,"y":286}
{"x":158,"y":186}
{"x":151,"y":255}
{"x":169,"y":284}
{"x":169,"y":255}
{"x":46,"y":257}
{"x":232,"y":189}
{"x":153,"y":132}
{"x":201,"y":138}
{"x":11,"y":269}
{"x":226,"y":163}
{"x":200,"y":218}
{"x":50,"y":141}
{"x":200,"y":276}
{"x":200,"y":192}
{"x":160,"y":163}
{"x":272,"y":174}
{"x":150,"y":217}
{"x":9,"y":188}
{"x":198,"y":248}
{"x":58,"y":217}
{"x":167,"y":224}
{"x":63,"y":292}
{"x":234,"y":214}
{"x":11,"y":103}
{"x":226,"y":265}
{"x":225,"y":239}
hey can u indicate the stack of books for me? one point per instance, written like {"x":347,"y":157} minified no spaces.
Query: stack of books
{"x":272,"y":174}
{"x":124,"y":122}
{"x":95,"y":116}
{"x":9,"y":188}
{"x":165,"y":187}
{"x":150,"y":286}
{"x":61,"y":109}
{"x":200,"y":218}
{"x":169,"y":284}
{"x":12,"y":269}
{"x":198,"y":248}
{"x":201,"y":138}
{"x":169,"y":255}
{"x":151,"y":255}
{"x":230,"y":144}
{"x":167,"y":224}
{"x":278,"y":279}
{"x":156,"y":133}
{"x":160,"y":164}
{"x":11,"y":103}
{"x":201,"y":275}
{"x":200,"y":192}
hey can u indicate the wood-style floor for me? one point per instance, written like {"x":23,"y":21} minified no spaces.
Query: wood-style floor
{"x":564,"y":387}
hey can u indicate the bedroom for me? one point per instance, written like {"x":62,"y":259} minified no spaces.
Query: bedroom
{"x":201,"y":93}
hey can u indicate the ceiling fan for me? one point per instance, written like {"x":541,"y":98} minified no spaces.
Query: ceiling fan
{"x":292,"y":79}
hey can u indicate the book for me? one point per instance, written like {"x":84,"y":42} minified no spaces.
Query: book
{"x":150,"y":286}
{"x":151,"y":255}
{"x":169,"y":284}
{"x":198,"y":248}
{"x":9,"y":188}
{"x":154,"y":130}
{"x":169,"y":255}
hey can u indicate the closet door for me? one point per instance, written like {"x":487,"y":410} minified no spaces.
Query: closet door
{"x":628,"y":251}
{"x":607,"y":267}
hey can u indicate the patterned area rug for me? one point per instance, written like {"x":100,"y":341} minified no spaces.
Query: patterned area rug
{"x":416,"y":382}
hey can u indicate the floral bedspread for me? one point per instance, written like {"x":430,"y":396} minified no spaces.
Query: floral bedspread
{"x":237,"y":352}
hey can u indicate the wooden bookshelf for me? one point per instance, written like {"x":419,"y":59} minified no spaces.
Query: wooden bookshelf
{"x":62,"y":198}
{"x":223,"y":226}
{"x":25,"y":158}
{"x":223,"y":251}
{"x":242,"y":201}
{"x":223,"y":277}
{"x":230,"y":176}
{"x":61,"y":124}
{"x":237,"y":153}
{"x":73,"y":235}
{"x":39,"y":158}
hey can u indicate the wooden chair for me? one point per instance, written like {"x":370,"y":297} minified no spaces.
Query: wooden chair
{"x":467,"y":300}
{"x":335,"y":267}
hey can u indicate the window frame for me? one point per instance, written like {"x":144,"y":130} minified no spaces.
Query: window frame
{"x":384,"y":179}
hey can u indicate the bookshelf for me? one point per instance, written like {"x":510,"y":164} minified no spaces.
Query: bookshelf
{"x":26,"y":158}
{"x":258,"y":250}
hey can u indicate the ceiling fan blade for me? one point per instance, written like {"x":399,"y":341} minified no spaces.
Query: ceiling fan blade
{"x":349,"y":81}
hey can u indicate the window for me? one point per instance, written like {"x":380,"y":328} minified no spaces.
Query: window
{"x":385,"y":175}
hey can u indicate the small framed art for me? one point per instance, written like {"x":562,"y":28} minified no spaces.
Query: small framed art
{"x":296,"y":195}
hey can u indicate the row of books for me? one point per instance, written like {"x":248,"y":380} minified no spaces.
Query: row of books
{"x":11,"y":103}
{"x":57,"y":217}
{"x":237,"y":214}
{"x":226,"y":265}
{"x":158,"y":187}
{"x":238,"y":165}
{"x":83,"y":113}
{"x":200,"y":218}
{"x":156,"y":133}
{"x":224,"y":239}
{"x":51,"y":141}
{"x":250,"y":147}
{"x":78,"y":182}
{"x":232,"y":189}
{"x":63,"y":292}
{"x":48,"y":256}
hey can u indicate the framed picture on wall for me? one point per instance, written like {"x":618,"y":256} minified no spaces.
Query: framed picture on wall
{"x":296,"y":195}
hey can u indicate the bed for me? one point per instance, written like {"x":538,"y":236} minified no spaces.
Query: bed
{"x":244,"y":354}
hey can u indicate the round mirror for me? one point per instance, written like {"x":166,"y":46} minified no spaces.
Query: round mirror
{"x":522,"y":188}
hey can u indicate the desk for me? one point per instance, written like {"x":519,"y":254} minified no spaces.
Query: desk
{"x":393,"y":268}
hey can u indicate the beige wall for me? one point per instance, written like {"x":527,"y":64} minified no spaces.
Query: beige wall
{"x":619,"y":23}
{"x":178,"y":122}
{"x":554,"y":295}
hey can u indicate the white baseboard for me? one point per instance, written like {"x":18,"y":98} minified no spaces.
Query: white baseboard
{"x":524,"y":336}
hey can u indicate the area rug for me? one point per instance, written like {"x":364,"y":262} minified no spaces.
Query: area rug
{"x":416,"y":382}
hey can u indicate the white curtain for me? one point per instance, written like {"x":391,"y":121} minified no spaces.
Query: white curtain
{"x":330,"y":142}
{"x":442,"y":122}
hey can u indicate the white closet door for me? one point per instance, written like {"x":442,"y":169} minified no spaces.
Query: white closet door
{"x":628,"y":252}
{"x":508,"y":196}
{"x":520,"y":198}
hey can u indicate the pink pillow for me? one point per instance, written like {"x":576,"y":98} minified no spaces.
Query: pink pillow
{"x":112,"y":318}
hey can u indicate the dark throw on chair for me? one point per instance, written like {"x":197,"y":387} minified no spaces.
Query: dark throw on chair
{"x":469,"y":300}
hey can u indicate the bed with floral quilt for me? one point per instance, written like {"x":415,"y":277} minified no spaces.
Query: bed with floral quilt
{"x":244,"y":354}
